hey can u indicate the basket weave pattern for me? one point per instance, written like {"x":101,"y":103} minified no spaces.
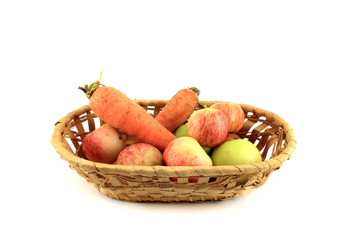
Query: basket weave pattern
{"x":271,"y":135}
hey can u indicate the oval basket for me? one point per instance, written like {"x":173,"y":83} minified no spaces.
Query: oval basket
{"x":271,"y":135}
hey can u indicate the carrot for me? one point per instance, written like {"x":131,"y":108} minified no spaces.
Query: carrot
{"x":115,"y":108}
{"x":179,"y":108}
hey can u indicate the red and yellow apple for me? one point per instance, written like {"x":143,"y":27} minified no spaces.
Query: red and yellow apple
{"x":186,"y":151}
{"x":208,"y":126}
{"x":103,"y":144}
{"x":140,"y":154}
{"x":182,"y":132}
{"x":234,"y":114}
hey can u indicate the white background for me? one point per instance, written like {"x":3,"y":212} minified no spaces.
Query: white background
{"x":299,"y":59}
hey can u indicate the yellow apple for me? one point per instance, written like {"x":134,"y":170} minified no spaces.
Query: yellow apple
{"x":236,"y":152}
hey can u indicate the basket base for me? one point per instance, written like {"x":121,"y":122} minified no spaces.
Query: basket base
{"x":169,"y":199}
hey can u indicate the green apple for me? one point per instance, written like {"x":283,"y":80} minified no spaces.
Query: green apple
{"x":207,"y":150}
{"x":236,"y":152}
{"x":181,"y":131}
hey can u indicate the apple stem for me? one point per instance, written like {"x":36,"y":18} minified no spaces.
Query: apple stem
{"x":90,"y":89}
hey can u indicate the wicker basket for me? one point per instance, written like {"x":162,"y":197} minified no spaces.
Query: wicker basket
{"x":270,"y":133}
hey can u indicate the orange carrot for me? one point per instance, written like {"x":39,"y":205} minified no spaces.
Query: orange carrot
{"x":115,"y":108}
{"x":179,"y":108}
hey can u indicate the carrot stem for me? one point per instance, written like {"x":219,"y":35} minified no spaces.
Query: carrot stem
{"x":90,"y":89}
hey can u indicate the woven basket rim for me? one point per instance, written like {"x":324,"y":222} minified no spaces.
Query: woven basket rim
{"x":173,"y":171}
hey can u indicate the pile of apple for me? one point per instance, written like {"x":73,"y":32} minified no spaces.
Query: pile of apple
{"x":208,"y":138}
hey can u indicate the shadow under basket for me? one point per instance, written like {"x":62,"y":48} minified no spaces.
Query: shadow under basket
{"x":271,"y":135}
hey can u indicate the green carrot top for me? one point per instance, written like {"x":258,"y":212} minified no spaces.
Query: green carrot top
{"x":90,"y":89}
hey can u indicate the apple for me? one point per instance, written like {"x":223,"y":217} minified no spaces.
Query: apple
{"x":181,"y":131}
{"x":207,"y":150}
{"x":234,"y":114}
{"x":140,"y":154}
{"x":186,"y":151}
{"x":103,"y":144}
{"x":208,"y":126}
{"x":236,"y":152}
{"x":231,"y":136}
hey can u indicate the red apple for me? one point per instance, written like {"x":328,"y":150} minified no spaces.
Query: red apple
{"x":186,"y":151}
{"x":231,"y":136}
{"x":103,"y":144}
{"x":234,"y":114}
{"x":140,"y":154}
{"x":208,"y":126}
